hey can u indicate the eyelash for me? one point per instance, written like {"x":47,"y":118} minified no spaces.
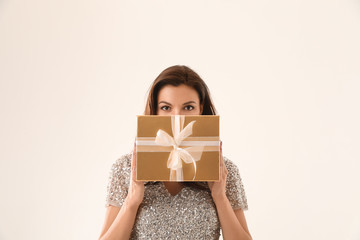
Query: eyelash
{"x":186,"y":106}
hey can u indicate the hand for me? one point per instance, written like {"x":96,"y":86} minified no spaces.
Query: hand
{"x":218,"y":188}
{"x":136,"y":189}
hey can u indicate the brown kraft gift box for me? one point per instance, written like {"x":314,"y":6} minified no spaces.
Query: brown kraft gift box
{"x":192,"y":155}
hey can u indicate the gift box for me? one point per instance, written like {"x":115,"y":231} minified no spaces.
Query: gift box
{"x":177,"y":148}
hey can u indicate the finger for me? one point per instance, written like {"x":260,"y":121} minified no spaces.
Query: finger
{"x":220,"y":154}
{"x":222,"y":163}
{"x":132,"y":173}
{"x":133,"y":164}
{"x":133,"y":159}
{"x":220,"y":171}
{"x":225,"y":174}
{"x":135,"y":155}
{"x":225,"y":171}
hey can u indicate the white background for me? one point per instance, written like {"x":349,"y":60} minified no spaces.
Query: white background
{"x":284,"y":76}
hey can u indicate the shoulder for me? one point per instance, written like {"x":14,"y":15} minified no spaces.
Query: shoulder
{"x":231,"y":166}
{"x":123,"y":161}
{"x":121,"y":166}
{"x":235,"y":190}
{"x":233,"y":174}
{"x":119,"y":180}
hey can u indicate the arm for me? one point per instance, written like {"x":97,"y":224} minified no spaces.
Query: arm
{"x":110,"y":215}
{"x":120,"y":221}
{"x":233,"y":222}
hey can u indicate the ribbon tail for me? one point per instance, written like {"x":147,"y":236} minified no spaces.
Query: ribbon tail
{"x":171,"y":160}
{"x":194,"y":169}
{"x":172,"y":176}
{"x":179,"y":174}
{"x":188,"y":158}
{"x":179,"y":169}
{"x":176,"y":175}
{"x":175,"y":165}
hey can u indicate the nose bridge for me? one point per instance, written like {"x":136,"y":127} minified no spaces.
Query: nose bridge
{"x":176,"y":111}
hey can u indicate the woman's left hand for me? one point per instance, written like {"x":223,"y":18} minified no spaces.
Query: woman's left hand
{"x":218,"y":188}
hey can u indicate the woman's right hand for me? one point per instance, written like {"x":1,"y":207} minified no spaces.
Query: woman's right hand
{"x":136,"y":189}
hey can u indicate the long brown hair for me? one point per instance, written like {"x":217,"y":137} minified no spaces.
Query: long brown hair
{"x":175,"y":76}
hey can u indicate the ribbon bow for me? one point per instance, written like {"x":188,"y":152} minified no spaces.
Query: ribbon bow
{"x":188,"y":155}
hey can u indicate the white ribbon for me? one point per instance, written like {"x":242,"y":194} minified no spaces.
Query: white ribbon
{"x":188,"y":155}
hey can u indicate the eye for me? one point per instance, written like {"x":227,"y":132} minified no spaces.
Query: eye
{"x":162,"y":108}
{"x":189,"y":106}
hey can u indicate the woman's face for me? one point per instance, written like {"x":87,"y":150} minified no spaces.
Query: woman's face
{"x":180,"y":100}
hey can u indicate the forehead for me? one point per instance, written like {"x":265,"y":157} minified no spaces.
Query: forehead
{"x":181,"y":93}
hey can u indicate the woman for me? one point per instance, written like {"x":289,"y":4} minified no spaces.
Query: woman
{"x":175,"y":210}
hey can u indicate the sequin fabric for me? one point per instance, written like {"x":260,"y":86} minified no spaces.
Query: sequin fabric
{"x":191,"y":214}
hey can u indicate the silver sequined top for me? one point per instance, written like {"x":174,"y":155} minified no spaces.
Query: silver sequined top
{"x":191,"y":214}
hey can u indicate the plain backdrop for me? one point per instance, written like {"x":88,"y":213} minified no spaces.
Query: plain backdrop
{"x":284,"y":77}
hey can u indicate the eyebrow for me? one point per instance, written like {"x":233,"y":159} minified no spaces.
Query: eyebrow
{"x":189,"y":102}
{"x":183,"y":104}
